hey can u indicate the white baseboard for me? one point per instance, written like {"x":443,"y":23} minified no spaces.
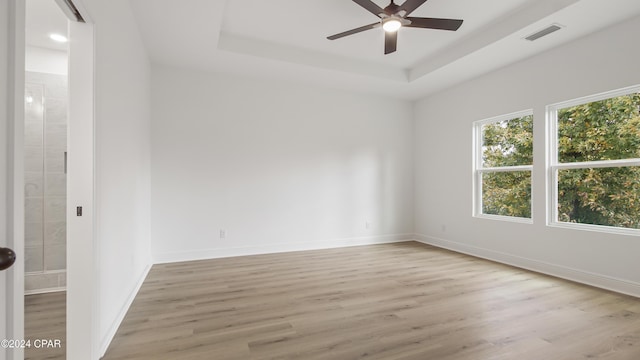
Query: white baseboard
{"x":278,"y":248}
{"x":44,"y":282}
{"x":108,"y":337}
{"x":45,"y":291}
{"x":580,"y":276}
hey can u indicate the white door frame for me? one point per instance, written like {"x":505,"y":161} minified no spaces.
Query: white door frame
{"x":82,"y":265}
{"x":82,"y":300}
{"x":14,"y":301}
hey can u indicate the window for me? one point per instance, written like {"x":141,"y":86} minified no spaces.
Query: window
{"x":595,"y":161}
{"x":502,"y":165}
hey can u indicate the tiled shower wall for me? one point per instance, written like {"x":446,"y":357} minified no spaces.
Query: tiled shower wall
{"x":45,"y":144}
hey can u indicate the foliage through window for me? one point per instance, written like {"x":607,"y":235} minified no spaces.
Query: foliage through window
{"x":595,"y":160}
{"x":503,"y":164}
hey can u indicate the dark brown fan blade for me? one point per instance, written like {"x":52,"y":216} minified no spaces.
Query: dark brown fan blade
{"x":354,"y":31}
{"x":390,"y":42}
{"x":410,"y":5}
{"x":370,"y":6}
{"x":434,"y":23}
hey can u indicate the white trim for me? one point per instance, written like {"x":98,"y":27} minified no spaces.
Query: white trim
{"x":550,"y":204}
{"x":506,"y":168}
{"x":506,"y":218}
{"x":580,"y":276}
{"x":476,"y":191}
{"x":45,"y":291}
{"x":113,"y":328}
{"x":552,"y":159}
{"x":595,"y":228}
{"x":45,"y":272}
{"x":206,"y":254}
{"x":15,"y":176}
{"x":511,"y":116}
{"x":596,"y":97}
{"x":597,"y":164}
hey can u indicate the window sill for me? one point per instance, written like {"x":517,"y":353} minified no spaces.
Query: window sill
{"x":595,"y":228}
{"x":505,"y":218}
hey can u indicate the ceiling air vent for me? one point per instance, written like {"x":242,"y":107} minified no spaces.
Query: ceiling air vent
{"x":544,"y":32}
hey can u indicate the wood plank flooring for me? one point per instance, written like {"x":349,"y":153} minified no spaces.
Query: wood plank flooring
{"x":45,"y":318}
{"x":396,"y":301}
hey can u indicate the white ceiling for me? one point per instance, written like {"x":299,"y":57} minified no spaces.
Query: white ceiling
{"x":305,"y":25}
{"x":44,"y":17}
{"x":286,"y":39}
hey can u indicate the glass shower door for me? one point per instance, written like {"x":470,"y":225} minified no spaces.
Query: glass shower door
{"x":45,"y":145}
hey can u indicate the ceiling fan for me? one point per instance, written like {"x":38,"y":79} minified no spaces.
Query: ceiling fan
{"x":393,"y":17}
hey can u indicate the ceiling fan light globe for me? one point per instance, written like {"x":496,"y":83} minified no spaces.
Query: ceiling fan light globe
{"x":391,"y":25}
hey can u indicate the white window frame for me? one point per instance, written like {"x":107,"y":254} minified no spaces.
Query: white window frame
{"x":554,"y":166}
{"x":479,"y":169}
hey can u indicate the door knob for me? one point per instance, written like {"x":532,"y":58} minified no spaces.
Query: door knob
{"x":7,"y":258}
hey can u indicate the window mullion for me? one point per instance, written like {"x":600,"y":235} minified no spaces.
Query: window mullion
{"x":507,"y":168}
{"x":598,"y":164}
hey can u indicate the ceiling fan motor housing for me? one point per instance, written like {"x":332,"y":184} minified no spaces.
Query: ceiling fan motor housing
{"x":392,"y":9}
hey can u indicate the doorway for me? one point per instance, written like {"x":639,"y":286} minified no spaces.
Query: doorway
{"x":45,"y":176}
{"x":45,"y":147}
{"x":81,"y":299}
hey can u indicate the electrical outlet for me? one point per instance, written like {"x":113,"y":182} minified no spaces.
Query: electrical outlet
{"x":367,"y":225}
{"x":223,"y":233}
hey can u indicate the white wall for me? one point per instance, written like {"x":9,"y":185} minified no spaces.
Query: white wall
{"x":43,"y":60}
{"x":278,"y":166}
{"x":443,"y":214}
{"x":122,"y":160}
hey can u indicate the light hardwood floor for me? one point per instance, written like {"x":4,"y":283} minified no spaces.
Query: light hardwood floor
{"x":45,"y":318}
{"x":396,"y":301}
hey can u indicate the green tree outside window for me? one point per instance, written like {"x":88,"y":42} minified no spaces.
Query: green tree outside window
{"x":600,"y":131}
